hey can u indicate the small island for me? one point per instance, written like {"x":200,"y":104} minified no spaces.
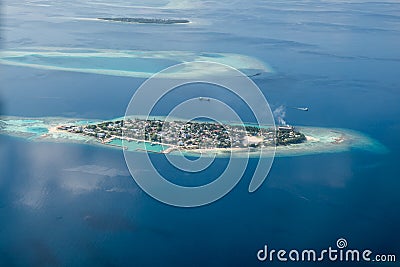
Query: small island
{"x":147,"y":20}
{"x":188,"y":135}
{"x":179,"y":137}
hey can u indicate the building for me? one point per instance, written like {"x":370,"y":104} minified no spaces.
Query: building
{"x":286,"y":128}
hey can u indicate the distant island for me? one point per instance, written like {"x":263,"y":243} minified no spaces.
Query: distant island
{"x":157,"y":135}
{"x":147,"y":20}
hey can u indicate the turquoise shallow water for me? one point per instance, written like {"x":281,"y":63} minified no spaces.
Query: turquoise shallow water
{"x":65,"y":204}
{"x":134,"y":146}
{"x":145,"y":65}
{"x":130,"y":63}
{"x":37,"y":130}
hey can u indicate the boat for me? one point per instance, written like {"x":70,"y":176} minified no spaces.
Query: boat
{"x":300,"y":108}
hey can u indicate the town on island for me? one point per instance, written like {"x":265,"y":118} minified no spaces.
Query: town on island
{"x":188,"y":135}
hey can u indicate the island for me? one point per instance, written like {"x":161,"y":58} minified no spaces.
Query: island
{"x":174,"y":136}
{"x":188,"y":135}
{"x":147,"y":20}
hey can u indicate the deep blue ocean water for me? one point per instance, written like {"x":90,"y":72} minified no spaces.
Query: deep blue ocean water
{"x":76,"y":205}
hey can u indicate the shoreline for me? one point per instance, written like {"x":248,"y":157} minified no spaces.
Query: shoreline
{"x":319,"y":140}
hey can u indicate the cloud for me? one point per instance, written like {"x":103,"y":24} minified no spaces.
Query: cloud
{"x":98,"y":170}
